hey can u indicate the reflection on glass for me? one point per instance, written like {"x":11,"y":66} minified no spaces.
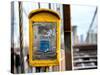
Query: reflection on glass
{"x":44,"y":43}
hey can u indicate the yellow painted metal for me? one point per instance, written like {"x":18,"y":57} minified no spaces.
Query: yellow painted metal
{"x":33,"y":12}
{"x":44,"y":15}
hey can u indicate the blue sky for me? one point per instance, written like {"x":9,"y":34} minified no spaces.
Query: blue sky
{"x":81,"y":16}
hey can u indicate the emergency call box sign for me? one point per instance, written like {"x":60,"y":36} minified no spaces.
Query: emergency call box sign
{"x":44,"y":41}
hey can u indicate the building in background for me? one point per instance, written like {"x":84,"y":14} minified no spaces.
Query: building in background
{"x":74,"y":35}
{"x":85,"y":52}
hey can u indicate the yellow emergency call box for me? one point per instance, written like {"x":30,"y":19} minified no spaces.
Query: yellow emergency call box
{"x":44,"y":37}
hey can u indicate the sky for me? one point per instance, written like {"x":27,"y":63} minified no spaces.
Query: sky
{"x":81,"y":16}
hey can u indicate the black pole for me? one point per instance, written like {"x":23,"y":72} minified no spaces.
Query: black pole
{"x":12,"y":37}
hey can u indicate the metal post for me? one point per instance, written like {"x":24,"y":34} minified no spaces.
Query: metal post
{"x":39,"y":4}
{"x":49,"y":5}
{"x":67,"y":36}
{"x":21,"y":36}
